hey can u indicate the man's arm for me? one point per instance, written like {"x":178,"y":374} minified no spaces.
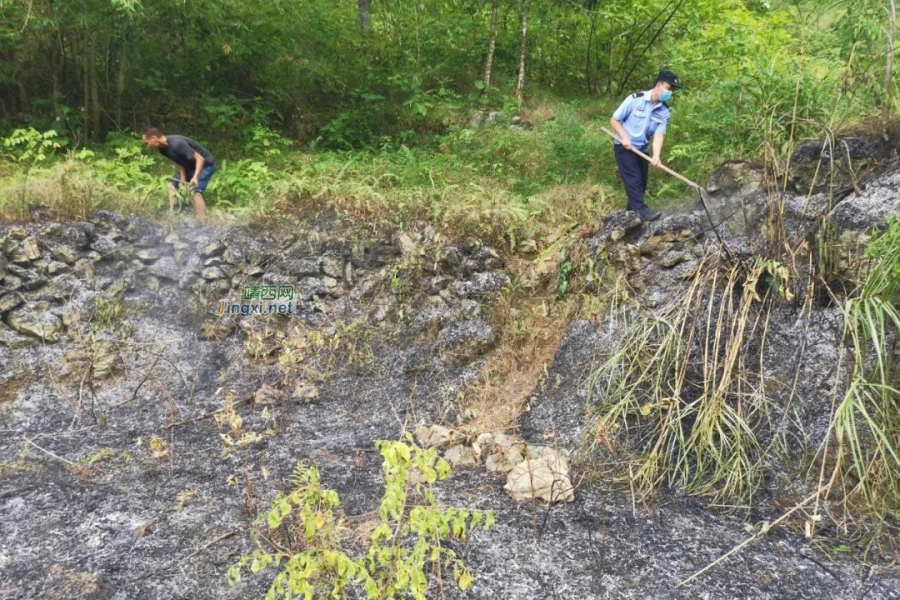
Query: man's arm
{"x":200,"y":162}
{"x":183,"y":173}
{"x":618,"y":118}
{"x":623,"y":137}
{"x":657,"y":149}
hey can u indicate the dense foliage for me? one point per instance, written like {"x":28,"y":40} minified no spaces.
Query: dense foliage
{"x":345,"y":74}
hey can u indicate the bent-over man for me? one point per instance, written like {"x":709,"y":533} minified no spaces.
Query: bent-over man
{"x":195,"y":164}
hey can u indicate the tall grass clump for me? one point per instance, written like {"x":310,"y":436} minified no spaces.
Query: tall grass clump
{"x":866,"y":421}
{"x":683,"y":398}
{"x":680,"y":385}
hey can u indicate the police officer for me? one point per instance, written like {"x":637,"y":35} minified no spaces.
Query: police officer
{"x":643,"y":115}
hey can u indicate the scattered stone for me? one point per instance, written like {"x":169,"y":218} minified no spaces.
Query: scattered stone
{"x":657,"y":244}
{"x":34,"y":283}
{"x":11,"y":282}
{"x":619,"y":224}
{"x":70,"y":316}
{"x":502,"y":452}
{"x":213,"y":273}
{"x":36,"y":319}
{"x":104,"y":356}
{"x":104,"y":246}
{"x":434,"y":435}
{"x":266,"y":395}
{"x":150,"y":282}
{"x":415,"y":359}
{"x":483,"y":118}
{"x":25,"y":251}
{"x":254,"y":271}
{"x":367,"y":286}
{"x":13,"y":339}
{"x":504,"y":459}
{"x":670,"y":259}
{"x":233,"y":255}
{"x":438,"y":283}
{"x":333,"y":266}
{"x":483,"y":258}
{"x":481,"y":285}
{"x":462,"y":342}
{"x":147,"y":255}
{"x":303,"y":267}
{"x":528,"y":248}
{"x":43,"y":290}
{"x":55,"y":267}
{"x":183,"y":252}
{"x":9,"y":301}
{"x":305,"y":391}
{"x":820,"y":164}
{"x":736,"y":174}
{"x":543,"y":474}
{"x":408,"y":247}
{"x":166,"y":268}
{"x":308,"y":287}
{"x":450,"y":260}
{"x":461,"y":456}
{"x":432,"y":318}
{"x":85,"y":271}
{"x":208,"y":248}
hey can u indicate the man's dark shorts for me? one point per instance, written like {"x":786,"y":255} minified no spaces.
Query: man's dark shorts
{"x":202,"y":181}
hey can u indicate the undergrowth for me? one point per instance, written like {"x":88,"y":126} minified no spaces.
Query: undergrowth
{"x":684,"y":398}
{"x":408,"y":553}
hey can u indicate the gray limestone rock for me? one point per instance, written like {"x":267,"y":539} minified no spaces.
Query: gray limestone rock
{"x":480,"y":285}
{"x":464,"y":341}
{"x":35,"y":319}
{"x":25,"y":251}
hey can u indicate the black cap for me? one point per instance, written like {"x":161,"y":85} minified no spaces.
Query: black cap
{"x":669,"y":77}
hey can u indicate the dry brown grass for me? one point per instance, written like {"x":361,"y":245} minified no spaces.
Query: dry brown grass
{"x":531,"y":328}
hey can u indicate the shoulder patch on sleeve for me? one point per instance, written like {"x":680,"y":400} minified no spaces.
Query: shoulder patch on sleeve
{"x":637,"y":95}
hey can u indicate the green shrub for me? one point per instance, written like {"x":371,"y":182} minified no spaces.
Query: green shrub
{"x":409,"y":543}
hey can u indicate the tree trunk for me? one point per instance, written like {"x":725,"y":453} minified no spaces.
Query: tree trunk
{"x":80,"y":55}
{"x":492,"y":42}
{"x":120,"y":82}
{"x":587,"y":60}
{"x":889,"y":64}
{"x":365,"y":23}
{"x":520,"y":84}
{"x":95,"y":89}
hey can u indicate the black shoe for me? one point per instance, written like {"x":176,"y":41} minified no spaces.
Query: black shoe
{"x":650,"y":216}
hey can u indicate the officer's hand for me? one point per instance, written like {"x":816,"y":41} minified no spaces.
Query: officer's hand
{"x":656,"y":162}
{"x":627,"y":144}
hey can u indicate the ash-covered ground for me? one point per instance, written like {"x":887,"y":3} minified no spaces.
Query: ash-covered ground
{"x":142,"y":434}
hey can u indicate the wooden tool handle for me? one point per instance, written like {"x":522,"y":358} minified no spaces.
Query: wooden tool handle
{"x":648,"y":159}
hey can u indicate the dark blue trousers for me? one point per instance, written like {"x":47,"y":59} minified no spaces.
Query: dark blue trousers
{"x":633,"y":170}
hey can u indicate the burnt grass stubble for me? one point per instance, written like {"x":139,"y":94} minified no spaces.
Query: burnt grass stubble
{"x":120,"y":487}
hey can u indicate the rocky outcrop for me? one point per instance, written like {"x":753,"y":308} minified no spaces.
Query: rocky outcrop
{"x":839,"y":163}
{"x":463,"y":341}
{"x":167,"y":423}
{"x":871,"y":207}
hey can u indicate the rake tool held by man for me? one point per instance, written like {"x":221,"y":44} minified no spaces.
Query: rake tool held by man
{"x":642,"y":116}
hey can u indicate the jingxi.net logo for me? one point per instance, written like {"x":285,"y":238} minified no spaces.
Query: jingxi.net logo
{"x":270,"y":299}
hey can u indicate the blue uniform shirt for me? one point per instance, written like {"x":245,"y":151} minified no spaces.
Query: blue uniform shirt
{"x":640,"y":119}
